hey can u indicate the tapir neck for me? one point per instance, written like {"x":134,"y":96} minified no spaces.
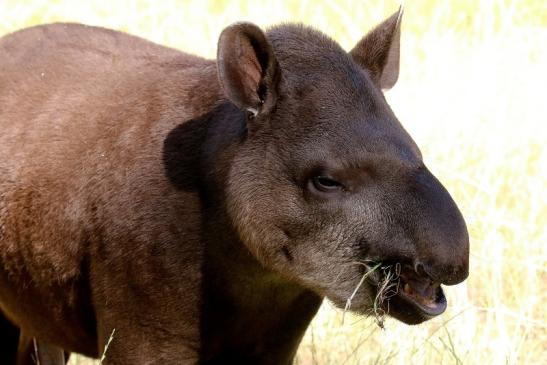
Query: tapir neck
{"x":247,"y":309}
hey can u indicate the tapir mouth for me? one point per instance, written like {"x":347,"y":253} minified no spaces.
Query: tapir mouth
{"x":401,"y":289}
{"x":422,"y":292}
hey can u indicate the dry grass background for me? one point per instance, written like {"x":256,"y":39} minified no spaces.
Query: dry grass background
{"x":473,"y":93}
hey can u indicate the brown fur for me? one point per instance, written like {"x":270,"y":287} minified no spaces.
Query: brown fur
{"x":140,"y":195}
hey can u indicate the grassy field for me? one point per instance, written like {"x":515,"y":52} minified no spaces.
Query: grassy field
{"x":473,"y":94}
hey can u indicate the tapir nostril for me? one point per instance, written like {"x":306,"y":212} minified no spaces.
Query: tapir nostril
{"x":422,"y":270}
{"x":419,"y":269}
{"x":443,"y":274}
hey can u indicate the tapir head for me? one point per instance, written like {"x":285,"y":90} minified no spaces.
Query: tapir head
{"x":326,"y":187}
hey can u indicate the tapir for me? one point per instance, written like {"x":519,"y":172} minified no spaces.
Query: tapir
{"x":161,"y":208}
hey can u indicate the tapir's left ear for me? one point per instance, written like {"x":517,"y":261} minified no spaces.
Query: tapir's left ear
{"x":247,"y":68}
{"x":378,"y":51}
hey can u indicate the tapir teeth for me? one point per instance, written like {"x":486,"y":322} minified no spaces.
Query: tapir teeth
{"x":407,"y":289}
{"x":425,"y":297}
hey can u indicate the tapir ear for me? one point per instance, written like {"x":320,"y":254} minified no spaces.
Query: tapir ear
{"x":378,"y":51}
{"x":247,"y":68}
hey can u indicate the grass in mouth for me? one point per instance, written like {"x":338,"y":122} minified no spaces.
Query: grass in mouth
{"x":388,"y":285}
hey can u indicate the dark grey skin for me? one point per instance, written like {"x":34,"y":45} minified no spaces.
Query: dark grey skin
{"x":203,"y":209}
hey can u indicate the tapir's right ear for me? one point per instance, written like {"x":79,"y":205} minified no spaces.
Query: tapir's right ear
{"x":378,"y":52}
{"x":247,"y":68}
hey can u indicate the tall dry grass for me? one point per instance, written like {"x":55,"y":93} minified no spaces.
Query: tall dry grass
{"x":473,"y":93}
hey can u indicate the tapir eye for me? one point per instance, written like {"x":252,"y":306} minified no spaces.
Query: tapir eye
{"x":326,"y":184}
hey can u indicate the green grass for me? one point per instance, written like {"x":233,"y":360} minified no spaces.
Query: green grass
{"x":472,"y":94}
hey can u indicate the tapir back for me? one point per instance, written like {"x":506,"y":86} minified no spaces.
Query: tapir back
{"x":84,"y":113}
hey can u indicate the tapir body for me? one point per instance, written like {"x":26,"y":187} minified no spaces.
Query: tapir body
{"x":184,"y":210}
